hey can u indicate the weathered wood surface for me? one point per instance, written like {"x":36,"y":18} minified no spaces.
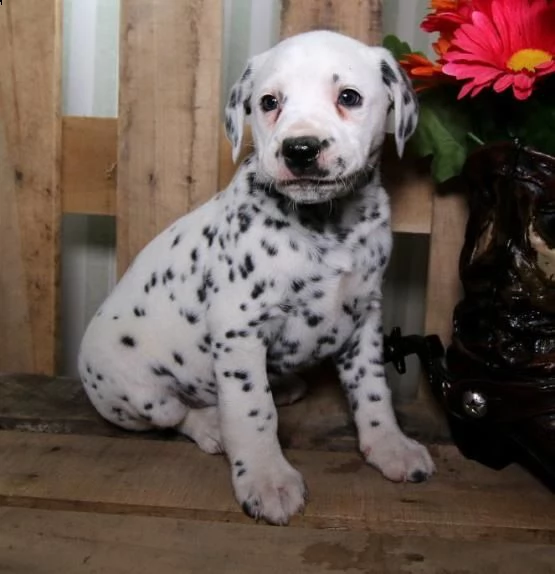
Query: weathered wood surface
{"x":464,"y":501}
{"x":52,"y":542}
{"x":361,"y":19}
{"x":60,"y":405}
{"x":169,"y":117}
{"x":30,"y":63}
{"x":89,"y":165}
{"x":89,"y":174}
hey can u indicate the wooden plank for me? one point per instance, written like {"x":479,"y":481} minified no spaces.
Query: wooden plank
{"x":444,"y":289}
{"x":89,"y":174}
{"x":59,"y":405}
{"x":50,"y":542}
{"x":89,"y":168}
{"x":30,"y":64}
{"x":169,"y":116}
{"x":361,"y":19}
{"x":447,"y":236}
{"x":109,"y":475}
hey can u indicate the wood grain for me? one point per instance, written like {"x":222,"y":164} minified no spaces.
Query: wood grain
{"x":319,"y":422}
{"x":449,"y":214}
{"x":110,"y":475}
{"x":89,"y":165}
{"x":170,"y":55}
{"x":89,"y":174}
{"x":30,"y":63}
{"x":447,"y":235}
{"x":361,"y":19}
{"x":51,"y":542}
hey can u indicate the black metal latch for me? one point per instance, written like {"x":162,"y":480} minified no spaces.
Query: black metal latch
{"x":396,"y":347}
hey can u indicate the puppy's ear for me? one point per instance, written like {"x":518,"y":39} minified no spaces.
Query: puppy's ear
{"x":404,"y":103}
{"x":239,"y":105}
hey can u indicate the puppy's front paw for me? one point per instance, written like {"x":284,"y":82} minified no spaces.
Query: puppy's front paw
{"x":398,"y":457}
{"x":271,"y":492}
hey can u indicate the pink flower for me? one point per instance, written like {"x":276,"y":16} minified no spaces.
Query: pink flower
{"x":507,"y":43}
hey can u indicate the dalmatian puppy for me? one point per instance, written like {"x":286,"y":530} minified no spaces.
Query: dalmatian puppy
{"x":278,"y":271}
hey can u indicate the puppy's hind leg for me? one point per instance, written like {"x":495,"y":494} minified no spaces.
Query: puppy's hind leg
{"x":203,"y":426}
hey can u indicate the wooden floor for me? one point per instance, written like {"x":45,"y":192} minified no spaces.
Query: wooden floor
{"x":82,"y":497}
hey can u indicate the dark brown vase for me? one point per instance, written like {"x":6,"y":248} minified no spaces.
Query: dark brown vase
{"x":500,"y":394}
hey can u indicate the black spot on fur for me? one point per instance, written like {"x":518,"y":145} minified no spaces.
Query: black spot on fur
{"x":245,"y":221}
{"x":247,"y":106}
{"x":254,"y":413}
{"x":139,"y":312}
{"x":247,"y":387}
{"x":128,"y":341}
{"x":297,"y":285}
{"x":161,"y":371}
{"x":258,"y":289}
{"x":246,"y":73}
{"x":247,"y":267}
{"x":209,"y":233}
{"x":277,"y":223}
{"x":335,"y":78}
{"x":374,"y":398}
{"x":388,"y":75}
{"x":176,"y":241}
{"x":191,"y":317}
{"x":148,"y":406}
{"x":314,"y":320}
{"x":374,"y":424}
{"x":271,"y":250}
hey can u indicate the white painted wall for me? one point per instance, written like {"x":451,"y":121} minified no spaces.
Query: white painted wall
{"x":90,"y":84}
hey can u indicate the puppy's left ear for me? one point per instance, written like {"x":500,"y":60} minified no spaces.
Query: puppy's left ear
{"x":239,"y":105}
{"x":404,"y":103}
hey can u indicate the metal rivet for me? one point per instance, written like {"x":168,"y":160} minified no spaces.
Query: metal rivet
{"x":474,"y":404}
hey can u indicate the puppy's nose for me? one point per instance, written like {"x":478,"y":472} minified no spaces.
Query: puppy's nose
{"x":300,"y":154}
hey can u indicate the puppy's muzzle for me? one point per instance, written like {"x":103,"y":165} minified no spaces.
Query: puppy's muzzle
{"x":301,"y":155}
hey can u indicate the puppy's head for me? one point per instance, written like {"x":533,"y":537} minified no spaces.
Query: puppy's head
{"x":318,"y":104}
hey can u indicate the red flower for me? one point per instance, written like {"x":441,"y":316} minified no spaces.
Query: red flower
{"x":506,"y":43}
{"x":448,"y":16}
{"x":424,"y":72}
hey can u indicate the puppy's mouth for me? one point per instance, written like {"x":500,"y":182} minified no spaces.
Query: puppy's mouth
{"x":315,"y":190}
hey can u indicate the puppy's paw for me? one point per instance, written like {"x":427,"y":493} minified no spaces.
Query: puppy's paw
{"x":399,"y":458}
{"x":203,"y":426}
{"x":271,"y":492}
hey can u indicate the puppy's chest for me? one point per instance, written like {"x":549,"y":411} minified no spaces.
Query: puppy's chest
{"x":318,"y":321}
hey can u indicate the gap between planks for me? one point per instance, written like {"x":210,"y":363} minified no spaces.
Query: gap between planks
{"x":89,"y":175}
{"x":463,"y":501}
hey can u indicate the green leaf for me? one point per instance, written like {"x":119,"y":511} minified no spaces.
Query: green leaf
{"x":396,"y":46}
{"x":442,"y":133}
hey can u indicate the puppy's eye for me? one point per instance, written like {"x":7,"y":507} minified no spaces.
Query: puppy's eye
{"x":268,"y":103}
{"x":349,"y":98}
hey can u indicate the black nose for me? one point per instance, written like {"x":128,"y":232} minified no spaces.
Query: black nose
{"x":300,"y":154}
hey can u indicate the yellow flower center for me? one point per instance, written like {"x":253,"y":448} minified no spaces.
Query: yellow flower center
{"x":528,"y":59}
